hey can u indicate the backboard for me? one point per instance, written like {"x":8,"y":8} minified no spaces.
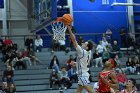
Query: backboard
{"x":45,"y":10}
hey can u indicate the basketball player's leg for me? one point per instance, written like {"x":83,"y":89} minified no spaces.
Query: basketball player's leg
{"x":79,"y":89}
{"x":89,"y":88}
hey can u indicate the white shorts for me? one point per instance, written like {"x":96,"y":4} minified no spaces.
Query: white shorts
{"x":83,"y":80}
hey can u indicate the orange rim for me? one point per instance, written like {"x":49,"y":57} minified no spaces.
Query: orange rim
{"x":58,"y":19}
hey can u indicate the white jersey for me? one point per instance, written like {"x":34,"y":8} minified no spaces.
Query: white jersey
{"x":83,"y":61}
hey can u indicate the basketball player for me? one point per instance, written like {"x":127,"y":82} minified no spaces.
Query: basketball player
{"x":83,"y":59}
{"x":107,"y":78}
{"x":131,"y":83}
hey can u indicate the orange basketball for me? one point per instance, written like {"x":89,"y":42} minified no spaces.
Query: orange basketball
{"x":67,"y":19}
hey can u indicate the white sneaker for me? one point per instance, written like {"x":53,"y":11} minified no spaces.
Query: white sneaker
{"x":65,"y":88}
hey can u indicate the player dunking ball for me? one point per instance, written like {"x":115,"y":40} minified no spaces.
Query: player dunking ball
{"x":107,"y":78}
{"x":83,"y":59}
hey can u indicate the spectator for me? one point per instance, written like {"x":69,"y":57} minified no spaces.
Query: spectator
{"x":29,"y":43}
{"x":131,"y":40}
{"x":129,"y":65}
{"x":38,"y":43}
{"x":25,"y":58}
{"x":104,"y":42}
{"x":121,"y":77}
{"x":108,"y":35}
{"x":97,"y":58}
{"x":5,"y":88}
{"x":19,"y":63}
{"x":54,"y":79}
{"x":134,"y":64}
{"x":130,"y":86}
{"x":115,"y":49}
{"x":9,"y":58}
{"x":100,"y":48}
{"x":72,"y":75}
{"x":69,"y":62}
{"x":105,"y":55}
{"x":123,"y":37}
{"x":137,"y":61}
{"x":54,"y":62}
{"x":64,"y":79}
{"x":117,"y":61}
{"x":32,"y":56}
{"x":8,"y":75}
{"x":7,"y":41}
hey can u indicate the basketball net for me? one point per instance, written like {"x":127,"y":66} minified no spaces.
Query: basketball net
{"x":59,"y":30}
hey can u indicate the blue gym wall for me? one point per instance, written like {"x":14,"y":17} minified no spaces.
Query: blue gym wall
{"x":96,"y":18}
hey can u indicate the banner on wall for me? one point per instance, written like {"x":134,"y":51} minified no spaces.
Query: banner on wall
{"x":1,"y":3}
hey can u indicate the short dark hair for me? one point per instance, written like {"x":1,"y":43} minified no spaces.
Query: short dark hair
{"x":133,"y":81}
{"x":90,"y":45}
{"x":113,"y":62}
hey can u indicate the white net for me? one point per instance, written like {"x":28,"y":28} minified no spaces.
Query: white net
{"x":59,"y":30}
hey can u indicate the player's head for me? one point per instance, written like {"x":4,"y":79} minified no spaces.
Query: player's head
{"x":88,"y":45}
{"x":131,"y":83}
{"x":111,"y":63}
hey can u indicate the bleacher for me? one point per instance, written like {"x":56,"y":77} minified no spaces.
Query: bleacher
{"x":36,"y":78}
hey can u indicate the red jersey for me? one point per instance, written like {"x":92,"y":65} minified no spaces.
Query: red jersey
{"x":102,"y":86}
{"x":124,"y":91}
{"x":121,"y":77}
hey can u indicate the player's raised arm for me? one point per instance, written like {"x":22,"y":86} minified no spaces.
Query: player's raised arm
{"x":72,"y":36}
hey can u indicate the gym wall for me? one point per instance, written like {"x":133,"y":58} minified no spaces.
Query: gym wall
{"x":97,"y":17}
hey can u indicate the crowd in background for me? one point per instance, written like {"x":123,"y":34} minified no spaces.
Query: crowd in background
{"x":17,"y":59}
{"x":64,"y":76}
{"x":105,"y":49}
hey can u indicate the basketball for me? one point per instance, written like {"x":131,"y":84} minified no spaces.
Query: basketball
{"x":67,"y":19}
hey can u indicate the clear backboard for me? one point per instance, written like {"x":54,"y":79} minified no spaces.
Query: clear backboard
{"x":44,"y":10}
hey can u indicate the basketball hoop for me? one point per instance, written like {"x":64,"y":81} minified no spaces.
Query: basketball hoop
{"x":58,"y":29}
